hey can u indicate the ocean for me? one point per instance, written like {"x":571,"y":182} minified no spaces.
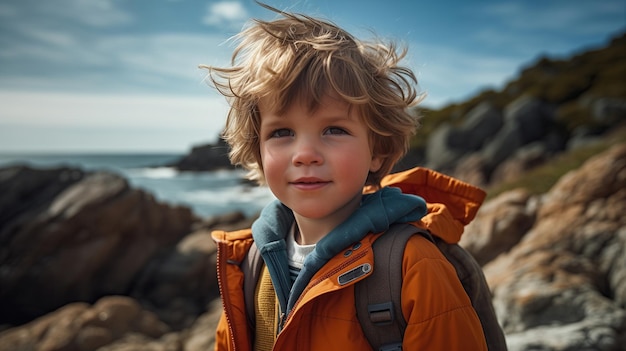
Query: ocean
{"x":206,"y":193}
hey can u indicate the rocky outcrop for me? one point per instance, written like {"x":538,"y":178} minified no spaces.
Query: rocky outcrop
{"x":499,"y":226}
{"x":68,"y":236}
{"x":493,"y":146}
{"x":207,"y":157}
{"x":526,"y":120}
{"x":113,"y":323}
{"x":91,"y":263}
{"x":551,"y":107}
{"x":79,"y":326}
{"x":556,"y":262}
{"x":448,"y":144}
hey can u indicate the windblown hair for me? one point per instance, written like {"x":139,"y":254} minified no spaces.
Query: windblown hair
{"x":300,"y":57}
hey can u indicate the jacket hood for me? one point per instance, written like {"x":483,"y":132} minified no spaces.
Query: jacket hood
{"x":377,"y":212}
{"x":452,"y":204}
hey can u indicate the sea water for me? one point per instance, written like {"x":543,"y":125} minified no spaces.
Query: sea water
{"x":206,"y":193}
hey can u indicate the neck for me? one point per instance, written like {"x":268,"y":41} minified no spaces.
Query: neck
{"x":310,"y":231}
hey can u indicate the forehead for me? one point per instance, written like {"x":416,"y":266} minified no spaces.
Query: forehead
{"x":326,"y":105}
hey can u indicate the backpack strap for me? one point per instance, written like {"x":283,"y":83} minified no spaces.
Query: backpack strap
{"x":472,"y":278}
{"x":377,"y":298}
{"x":251,"y":267}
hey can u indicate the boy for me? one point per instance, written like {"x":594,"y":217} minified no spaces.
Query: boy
{"x":317,"y":115}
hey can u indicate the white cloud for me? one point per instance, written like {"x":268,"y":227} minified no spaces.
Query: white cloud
{"x":230,"y":14}
{"x":123,"y":62}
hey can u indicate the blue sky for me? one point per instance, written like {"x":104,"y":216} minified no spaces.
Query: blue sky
{"x":121,"y":75}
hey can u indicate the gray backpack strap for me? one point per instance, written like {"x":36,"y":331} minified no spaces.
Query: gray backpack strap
{"x":251,"y":267}
{"x":471,"y":275}
{"x":377,"y":298}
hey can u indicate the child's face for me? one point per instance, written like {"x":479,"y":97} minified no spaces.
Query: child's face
{"x":316,"y":163}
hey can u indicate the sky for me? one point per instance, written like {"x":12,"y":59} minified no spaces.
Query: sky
{"x":100,"y":76}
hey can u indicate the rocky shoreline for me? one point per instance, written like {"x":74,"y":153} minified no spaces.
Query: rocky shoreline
{"x":89,"y":263}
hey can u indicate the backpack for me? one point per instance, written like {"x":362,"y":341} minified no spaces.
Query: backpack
{"x":377,"y":298}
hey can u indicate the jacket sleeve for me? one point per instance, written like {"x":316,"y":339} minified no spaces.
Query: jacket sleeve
{"x":438,"y":312}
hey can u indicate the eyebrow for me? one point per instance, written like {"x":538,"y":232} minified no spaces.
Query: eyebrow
{"x":273,"y":122}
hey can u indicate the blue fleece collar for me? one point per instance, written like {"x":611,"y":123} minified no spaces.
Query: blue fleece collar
{"x":377,"y":212}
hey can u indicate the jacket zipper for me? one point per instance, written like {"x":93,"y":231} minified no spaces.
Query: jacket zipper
{"x":312,"y":284}
{"x":221,"y":281}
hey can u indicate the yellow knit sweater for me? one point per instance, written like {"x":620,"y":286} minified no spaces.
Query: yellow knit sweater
{"x":266,"y":312}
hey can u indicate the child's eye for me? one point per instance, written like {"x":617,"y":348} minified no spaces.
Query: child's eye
{"x":282,"y":132}
{"x":335,"y":131}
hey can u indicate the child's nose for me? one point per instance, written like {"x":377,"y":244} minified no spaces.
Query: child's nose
{"x":307,"y":153}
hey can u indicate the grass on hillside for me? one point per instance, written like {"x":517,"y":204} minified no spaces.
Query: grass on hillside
{"x":540,"y":179}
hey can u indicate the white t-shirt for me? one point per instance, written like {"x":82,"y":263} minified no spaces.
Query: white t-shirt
{"x":296,"y":253}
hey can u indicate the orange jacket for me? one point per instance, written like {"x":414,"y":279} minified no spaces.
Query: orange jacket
{"x":438,"y":312}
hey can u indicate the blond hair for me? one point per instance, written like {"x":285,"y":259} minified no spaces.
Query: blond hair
{"x":297,"y":56}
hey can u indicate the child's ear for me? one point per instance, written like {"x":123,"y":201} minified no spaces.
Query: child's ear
{"x":376,"y":163}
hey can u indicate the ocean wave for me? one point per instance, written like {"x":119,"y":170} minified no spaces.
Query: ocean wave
{"x":154,"y":173}
{"x":240,"y":194}
{"x":247,"y":199}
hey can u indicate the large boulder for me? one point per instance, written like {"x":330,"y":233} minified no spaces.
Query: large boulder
{"x":67,"y":235}
{"x":82,"y":327}
{"x":499,"y":226}
{"x":113,"y":323}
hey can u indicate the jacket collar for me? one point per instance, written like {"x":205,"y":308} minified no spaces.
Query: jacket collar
{"x":377,"y":212}
{"x":452,"y":204}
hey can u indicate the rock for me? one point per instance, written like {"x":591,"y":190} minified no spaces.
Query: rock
{"x":480,"y":125}
{"x":563,"y":286}
{"x":207,"y":157}
{"x":531,"y":116}
{"x":583,"y":137}
{"x":448,"y":144}
{"x":182,"y":282}
{"x":523,"y":160}
{"x":139,"y":342}
{"x":499,"y":225}
{"x":76,"y":236}
{"x":199,"y":339}
{"x":228,"y":221}
{"x":472,"y":169}
{"x":503,"y":145}
{"x":439,"y":154}
{"x":528,"y":157}
{"x":32,"y":192}
{"x":114,"y":323}
{"x":608,"y":111}
{"x":79,"y":326}
{"x":526,"y":120}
